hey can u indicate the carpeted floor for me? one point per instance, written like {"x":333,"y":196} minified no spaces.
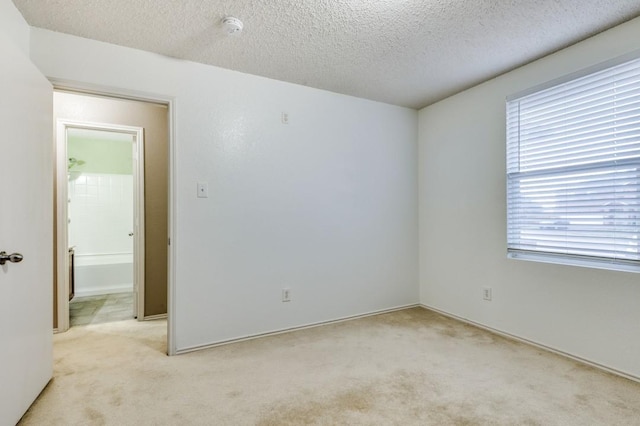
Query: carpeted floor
{"x":411,"y":367}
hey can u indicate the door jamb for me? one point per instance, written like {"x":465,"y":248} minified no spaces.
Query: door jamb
{"x":62,"y":183}
{"x":170,"y":101}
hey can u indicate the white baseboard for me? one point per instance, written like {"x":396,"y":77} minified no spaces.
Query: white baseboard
{"x":98,"y":291}
{"x":533,"y":343}
{"x":152,"y":317}
{"x":291,"y":329}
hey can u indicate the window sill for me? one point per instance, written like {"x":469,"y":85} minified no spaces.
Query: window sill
{"x":574,"y":261}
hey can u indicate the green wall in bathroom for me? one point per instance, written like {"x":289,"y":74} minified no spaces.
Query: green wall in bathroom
{"x":101,"y":156}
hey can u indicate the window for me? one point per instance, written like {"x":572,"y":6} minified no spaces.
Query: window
{"x":573,"y":170}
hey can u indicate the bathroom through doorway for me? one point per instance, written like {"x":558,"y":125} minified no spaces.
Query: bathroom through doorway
{"x":112,"y":191}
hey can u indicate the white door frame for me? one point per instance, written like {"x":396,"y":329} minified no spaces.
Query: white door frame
{"x":62,"y":185}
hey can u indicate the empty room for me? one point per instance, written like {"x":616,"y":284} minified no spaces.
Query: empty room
{"x":364,"y":212}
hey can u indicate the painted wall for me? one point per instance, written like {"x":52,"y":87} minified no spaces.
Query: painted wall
{"x":589,"y":313}
{"x":13,"y":26}
{"x":113,"y":157}
{"x":325,"y":205}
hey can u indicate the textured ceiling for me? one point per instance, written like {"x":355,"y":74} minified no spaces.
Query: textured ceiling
{"x":403,"y":52}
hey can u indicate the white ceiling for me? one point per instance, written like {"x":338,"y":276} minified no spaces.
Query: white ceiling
{"x":403,"y":52}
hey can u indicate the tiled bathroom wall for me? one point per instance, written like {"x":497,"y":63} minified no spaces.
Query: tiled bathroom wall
{"x":101,"y":214}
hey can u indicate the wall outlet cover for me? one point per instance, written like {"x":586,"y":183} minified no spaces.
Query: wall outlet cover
{"x":486,"y":293}
{"x":203,"y":190}
{"x":286,"y":295}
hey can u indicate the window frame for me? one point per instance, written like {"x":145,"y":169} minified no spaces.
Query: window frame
{"x":563,"y":258}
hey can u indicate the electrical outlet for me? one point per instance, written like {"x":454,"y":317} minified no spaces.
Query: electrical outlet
{"x":285,"y":117}
{"x":203,"y":190}
{"x":286,"y":295}
{"x":486,"y":293}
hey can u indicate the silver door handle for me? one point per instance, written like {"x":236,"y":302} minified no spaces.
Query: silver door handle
{"x":13,"y":257}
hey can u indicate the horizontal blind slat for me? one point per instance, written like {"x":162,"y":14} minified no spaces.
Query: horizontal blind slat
{"x":573,"y":167}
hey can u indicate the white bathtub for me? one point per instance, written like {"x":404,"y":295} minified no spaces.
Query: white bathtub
{"x":103,"y":273}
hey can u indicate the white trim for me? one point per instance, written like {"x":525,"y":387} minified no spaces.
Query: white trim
{"x":115,"y":289}
{"x":62,"y":183}
{"x":533,"y":343}
{"x":297,"y":328}
{"x":62,"y":244}
{"x":172,"y":237}
{"x":120,"y":253}
{"x":62,"y":85}
{"x":155,"y":317}
{"x":138,"y":225}
{"x":627,"y":57}
{"x":568,"y":260}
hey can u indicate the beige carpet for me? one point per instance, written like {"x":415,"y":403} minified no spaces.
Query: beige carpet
{"x":411,"y":367}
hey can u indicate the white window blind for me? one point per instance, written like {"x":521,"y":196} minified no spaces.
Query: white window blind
{"x":573,"y":169}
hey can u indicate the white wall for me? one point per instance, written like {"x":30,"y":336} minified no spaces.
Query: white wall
{"x":325,"y":205}
{"x":593,"y":314}
{"x":13,"y":25}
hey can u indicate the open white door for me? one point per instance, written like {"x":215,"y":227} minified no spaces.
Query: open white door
{"x":26,"y":227}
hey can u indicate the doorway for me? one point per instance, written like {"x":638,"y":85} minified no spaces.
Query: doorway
{"x":104,"y":221}
{"x":88,"y":178}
